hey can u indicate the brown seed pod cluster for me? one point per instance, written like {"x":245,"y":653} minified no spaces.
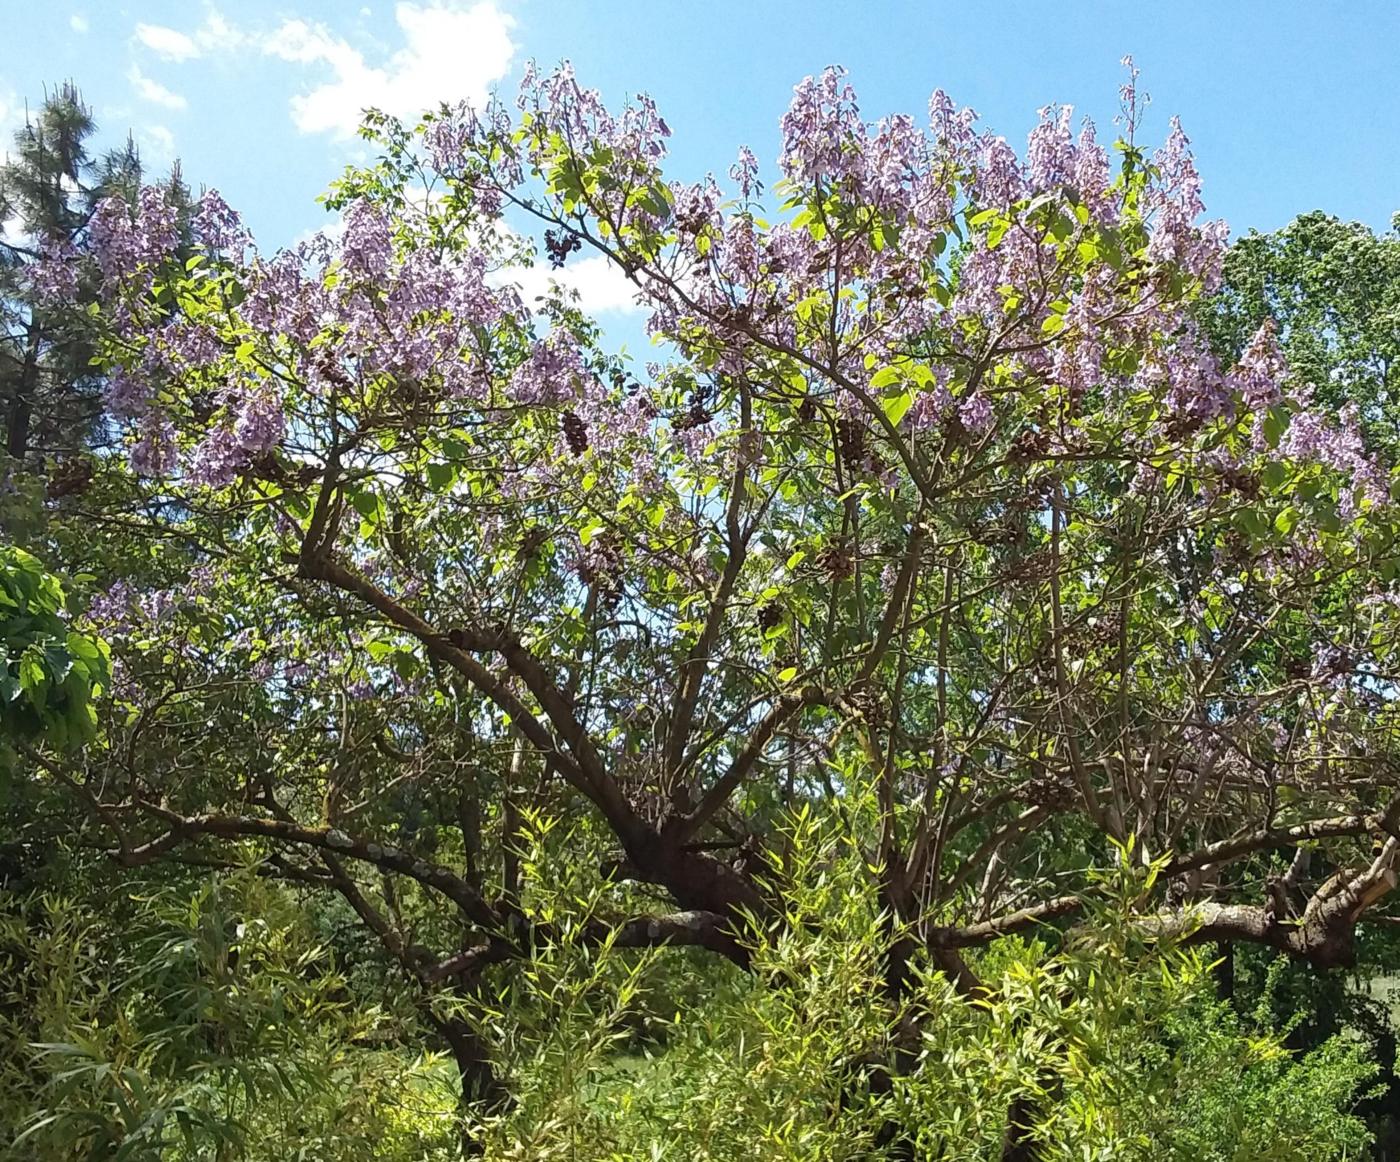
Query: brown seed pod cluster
{"x":1029,"y":444}
{"x":1054,"y":791}
{"x":770,"y":616}
{"x":697,"y":415}
{"x":693,"y":223}
{"x":1246,"y":484}
{"x":328,"y":368}
{"x":837,"y":562}
{"x":559,"y":244}
{"x":72,"y":477}
{"x":575,"y":432}
{"x":602,"y":566}
{"x":850,"y":439}
{"x":1034,"y":566}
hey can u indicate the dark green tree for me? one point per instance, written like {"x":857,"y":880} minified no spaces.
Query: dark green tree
{"x":1332,"y":289}
{"x":50,"y":185}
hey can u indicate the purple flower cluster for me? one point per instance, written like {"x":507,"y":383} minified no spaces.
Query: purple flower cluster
{"x":937,"y":244}
{"x":1175,"y":205}
{"x":53,"y":277}
{"x":367,"y":243}
{"x":744,"y":173}
{"x":822,"y":130}
{"x":252,"y":426}
{"x":1052,"y":157}
{"x":1259,"y":375}
{"x":154,"y":450}
{"x":552,"y":373}
{"x":218,"y":228}
{"x":130,"y":244}
{"x":1339,"y":446}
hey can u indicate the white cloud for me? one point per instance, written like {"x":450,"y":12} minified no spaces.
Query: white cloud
{"x":450,"y":53}
{"x":216,"y":33}
{"x":452,"y":50}
{"x":78,"y":22}
{"x":168,"y":43}
{"x":599,"y":282}
{"x":157,"y":145}
{"x":11,"y":118}
{"x":153,"y":91}
{"x":333,"y":231}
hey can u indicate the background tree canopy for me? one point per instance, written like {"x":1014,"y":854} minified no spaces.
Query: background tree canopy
{"x":854,"y":734}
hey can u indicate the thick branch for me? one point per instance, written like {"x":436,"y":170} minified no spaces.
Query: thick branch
{"x":327,"y":839}
{"x":693,"y":929}
{"x":718,"y":794}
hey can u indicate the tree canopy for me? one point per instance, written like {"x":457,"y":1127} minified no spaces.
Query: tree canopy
{"x":963,"y":619}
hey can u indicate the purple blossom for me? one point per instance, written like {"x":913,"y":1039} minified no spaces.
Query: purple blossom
{"x":745,"y":172}
{"x":1195,"y":390}
{"x":126,"y":396}
{"x":110,"y":610}
{"x":997,"y":181}
{"x":1093,"y":177}
{"x":1175,"y":204}
{"x":975,"y":413}
{"x":260,"y":424}
{"x":368,"y":245}
{"x":1261,"y":369}
{"x":1340,"y":447}
{"x":112,"y":236}
{"x":53,"y":276}
{"x":932,"y":405}
{"x":552,"y":373}
{"x":157,"y":226}
{"x":191,"y":345}
{"x":252,"y":426}
{"x":154,"y":450}
{"x":1130,"y":101}
{"x":217,"y":227}
{"x":822,"y":130}
{"x":451,"y":137}
{"x":952,"y":127}
{"x":979,"y":280}
{"x":1050,"y":154}
{"x":127,"y":245}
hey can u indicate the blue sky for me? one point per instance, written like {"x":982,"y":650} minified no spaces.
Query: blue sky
{"x":1291,"y":105}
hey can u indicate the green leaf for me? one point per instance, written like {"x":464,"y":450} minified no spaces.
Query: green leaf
{"x":81,"y":647}
{"x":365,"y":503}
{"x":441,"y":476}
{"x":896,"y":408}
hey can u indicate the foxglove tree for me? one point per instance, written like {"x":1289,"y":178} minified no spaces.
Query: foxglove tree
{"x":935,"y":513}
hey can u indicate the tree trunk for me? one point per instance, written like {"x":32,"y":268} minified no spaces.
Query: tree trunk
{"x":1017,"y":1144}
{"x":1224,"y":972}
{"x":22,"y":402}
{"x":482,"y":1091}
